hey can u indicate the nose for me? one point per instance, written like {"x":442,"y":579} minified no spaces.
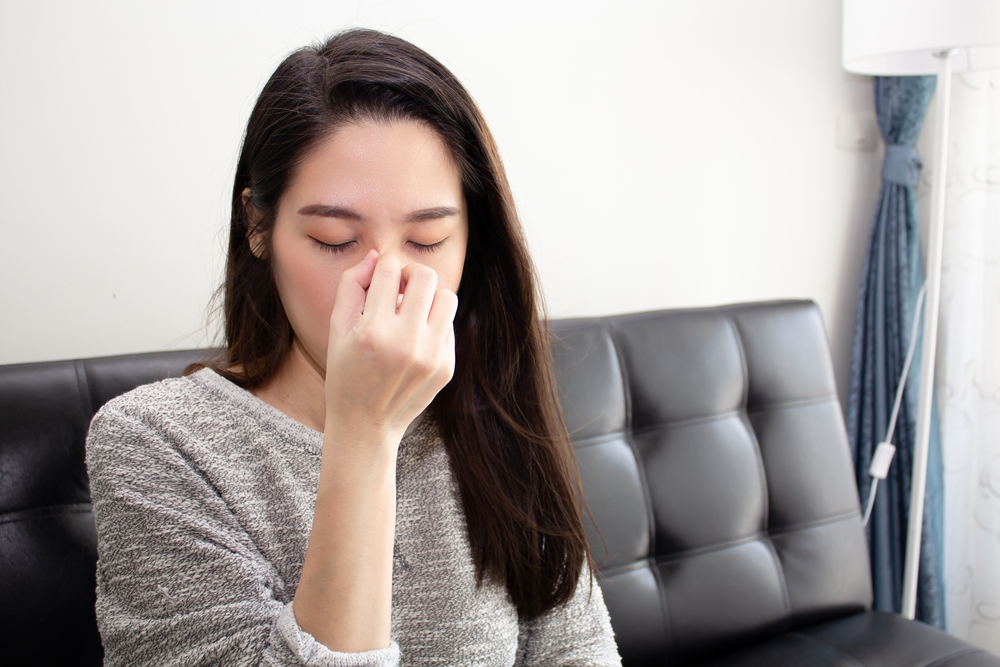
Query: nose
{"x":391,"y":252}
{"x":389,"y":247}
{"x":382,"y":245}
{"x":385,"y":249}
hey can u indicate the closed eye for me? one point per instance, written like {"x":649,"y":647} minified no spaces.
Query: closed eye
{"x":422,"y":247}
{"x":334,"y":247}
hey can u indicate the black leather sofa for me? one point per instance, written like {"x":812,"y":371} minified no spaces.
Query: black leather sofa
{"x":715,"y":464}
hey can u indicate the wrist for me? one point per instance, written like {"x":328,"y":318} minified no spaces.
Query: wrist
{"x":356,"y":451}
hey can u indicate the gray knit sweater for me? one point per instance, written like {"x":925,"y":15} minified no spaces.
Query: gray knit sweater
{"x":204,"y":499}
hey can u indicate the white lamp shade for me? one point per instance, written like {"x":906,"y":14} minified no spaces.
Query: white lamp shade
{"x":900,"y":37}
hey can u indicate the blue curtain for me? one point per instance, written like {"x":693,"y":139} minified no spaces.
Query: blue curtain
{"x":891,"y":280}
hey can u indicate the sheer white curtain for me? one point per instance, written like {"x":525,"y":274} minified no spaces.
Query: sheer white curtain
{"x":969,"y":361}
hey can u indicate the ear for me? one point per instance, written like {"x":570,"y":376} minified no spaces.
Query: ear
{"x":254,"y":238}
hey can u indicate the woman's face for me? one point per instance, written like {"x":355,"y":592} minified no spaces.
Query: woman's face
{"x":393,"y":187}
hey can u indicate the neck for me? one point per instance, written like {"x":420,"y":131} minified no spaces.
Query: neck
{"x":297,"y":389}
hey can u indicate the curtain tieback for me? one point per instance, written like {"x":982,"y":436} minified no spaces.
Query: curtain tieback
{"x":902,"y":165}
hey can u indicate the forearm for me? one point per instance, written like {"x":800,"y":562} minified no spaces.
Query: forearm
{"x":344,"y":596}
{"x":386,"y":359}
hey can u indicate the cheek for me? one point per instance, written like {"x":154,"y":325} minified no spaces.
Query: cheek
{"x":452,"y":275}
{"x":307,"y":284}
{"x":450,"y":263}
{"x":313,"y":287}
{"x":456,"y":265}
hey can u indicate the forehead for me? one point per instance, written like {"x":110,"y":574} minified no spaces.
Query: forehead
{"x":402,"y":163}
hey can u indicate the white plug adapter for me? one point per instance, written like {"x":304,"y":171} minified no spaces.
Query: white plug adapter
{"x":881,"y":460}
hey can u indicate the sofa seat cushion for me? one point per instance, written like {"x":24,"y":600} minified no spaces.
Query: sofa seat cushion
{"x":870,"y":639}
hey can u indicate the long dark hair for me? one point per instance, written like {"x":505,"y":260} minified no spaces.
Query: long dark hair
{"x":499,"y":416}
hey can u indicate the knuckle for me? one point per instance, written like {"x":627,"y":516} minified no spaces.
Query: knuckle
{"x":427,"y":357}
{"x":445,"y":373}
{"x":367,"y":338}
{"x":425,"y":367}
{"x":426,"y":361}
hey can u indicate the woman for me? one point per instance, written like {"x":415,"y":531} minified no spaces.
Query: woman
{"x":377,"y":471}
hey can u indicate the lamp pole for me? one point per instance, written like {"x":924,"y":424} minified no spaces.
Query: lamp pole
{"x":935,"y":238}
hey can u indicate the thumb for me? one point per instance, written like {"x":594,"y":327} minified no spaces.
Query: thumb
{"x":351,"y":293}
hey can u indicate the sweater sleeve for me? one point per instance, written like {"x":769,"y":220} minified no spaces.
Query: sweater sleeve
{"x":576,"y":634}
{"x":179,"y":582}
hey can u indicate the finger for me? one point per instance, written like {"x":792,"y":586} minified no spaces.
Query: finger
{"x":384,"y":288}
{"x":350,"y":300}
{"x":448,"y":354}
{"x":402,"y":288}
{"x":404,"y":275}
{"x":442,"y":313}
{"x":366,"y":269}
{"x":421,"y":285}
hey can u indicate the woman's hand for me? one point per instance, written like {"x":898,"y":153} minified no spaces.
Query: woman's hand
{"x":391,"y":348}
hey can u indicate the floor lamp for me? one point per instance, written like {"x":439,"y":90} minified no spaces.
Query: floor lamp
{"x":913,"y":37}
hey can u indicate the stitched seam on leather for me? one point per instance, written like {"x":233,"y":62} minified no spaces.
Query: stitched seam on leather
{"x":744,"y":365}
{"x":45,"y":512}
{"x":629,"y":433}
{"x":762,"y":469}
{"x":664,"y":609}
{"x":689,"y":421}
{"x":584,"y":443}
{"x":828,"y":646}
{"x":626,"y":568}
{"x":758,"y":454}
{"x":718,"y":416}
{"x":945,"y":659}
{"x":787,"y":620}
{"x":592,"y":440}
{"x":83,"y":390}
{"x":816,"y":523}
{"x":607,"y":329}
{"x":799,"y":402}
{"x":718,"y":546}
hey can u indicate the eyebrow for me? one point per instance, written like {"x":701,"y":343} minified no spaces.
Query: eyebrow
{"x":324,"y":211}
{"x":435,"y":213}
{"x":423,"y":215}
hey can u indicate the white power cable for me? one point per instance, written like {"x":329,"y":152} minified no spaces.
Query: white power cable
{"x":882,"y":457}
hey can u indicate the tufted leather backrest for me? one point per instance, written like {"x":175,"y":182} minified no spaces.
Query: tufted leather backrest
{"x":715,"y":462}
{"x":48,"y":543}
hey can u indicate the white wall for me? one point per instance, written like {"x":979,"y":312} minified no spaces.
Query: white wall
{"x":662,"y":154}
